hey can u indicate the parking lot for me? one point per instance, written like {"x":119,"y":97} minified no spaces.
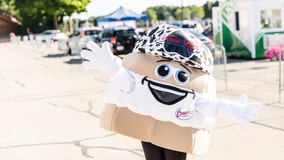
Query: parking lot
{"x":50,"y":108}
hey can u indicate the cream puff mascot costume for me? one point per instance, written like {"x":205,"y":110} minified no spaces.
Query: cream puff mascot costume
{"x":164,"y":93}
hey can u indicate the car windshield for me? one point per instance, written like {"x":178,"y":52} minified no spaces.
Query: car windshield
{"x":91,"y":32}
{"x":196,"y":33}
{"x":47,"y":32}
{"x":129,"y":32}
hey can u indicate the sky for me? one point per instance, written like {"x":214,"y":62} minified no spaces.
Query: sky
{"x":104,"y":7}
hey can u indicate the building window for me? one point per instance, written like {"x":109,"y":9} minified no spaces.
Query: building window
{"x":270,"y":18}
{"x":237,"y":21}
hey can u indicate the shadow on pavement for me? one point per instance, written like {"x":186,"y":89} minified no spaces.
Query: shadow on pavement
{"x":236,"y":60}
{"x":57,"y":55}
{"x":75,"y":61}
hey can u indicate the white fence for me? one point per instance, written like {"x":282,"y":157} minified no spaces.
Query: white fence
{"x":281,"y":74}
{"x":42,"y":44}
{"x":220,"y":62}
{"x":32,"y":39}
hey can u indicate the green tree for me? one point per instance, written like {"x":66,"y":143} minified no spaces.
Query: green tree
{"x":196,"y":12}
{"x":152,"y":15}
{"x":40,"y":12}
{"x":178,"y":13}
{"x":8,"y":6}
{"x":162,"y":12}
{"x":208,"y":10}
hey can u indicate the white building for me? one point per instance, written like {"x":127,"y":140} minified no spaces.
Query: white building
{"x":247,"y":27}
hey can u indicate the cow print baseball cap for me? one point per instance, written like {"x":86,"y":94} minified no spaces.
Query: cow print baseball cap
{"x":174,"y":43}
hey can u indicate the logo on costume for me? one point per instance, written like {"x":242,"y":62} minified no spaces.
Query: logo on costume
{"x":184,"y":113}
{"x":162,"y":38}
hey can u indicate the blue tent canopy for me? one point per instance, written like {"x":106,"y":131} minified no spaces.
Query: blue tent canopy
{"x":122,"y":14}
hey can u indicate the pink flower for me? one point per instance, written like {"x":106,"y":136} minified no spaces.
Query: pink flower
{"x":274,"y":51}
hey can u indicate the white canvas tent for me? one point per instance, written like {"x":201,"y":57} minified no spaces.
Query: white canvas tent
{"x":121,"y":16}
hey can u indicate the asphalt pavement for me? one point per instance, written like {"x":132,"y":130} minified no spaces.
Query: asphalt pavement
{"x":50,"y":109}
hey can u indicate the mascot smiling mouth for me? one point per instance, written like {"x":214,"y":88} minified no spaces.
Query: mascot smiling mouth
{"x":166,"y":94}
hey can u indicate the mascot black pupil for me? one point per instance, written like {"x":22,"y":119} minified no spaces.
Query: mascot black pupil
{"x":182,"y":76}
{"x":163,"y":71}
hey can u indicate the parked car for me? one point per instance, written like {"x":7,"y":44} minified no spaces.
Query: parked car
{"x":52,"y":34}
{"x":206,"y":40}
{"x":122,"y":39}
{"x":187,"y":24}
{"x":80,"y":37}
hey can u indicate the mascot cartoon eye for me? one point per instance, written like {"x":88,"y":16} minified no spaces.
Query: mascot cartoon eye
{"x":181,"y":77}
{"x":163,"y":71}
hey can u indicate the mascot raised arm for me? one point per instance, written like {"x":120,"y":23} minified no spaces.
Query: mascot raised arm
{"x":164,"y":93}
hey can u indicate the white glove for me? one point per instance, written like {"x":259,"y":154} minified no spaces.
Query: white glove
{"x":124,"y":80}
{"x":101,"y":59}
{"x":239,"y":111}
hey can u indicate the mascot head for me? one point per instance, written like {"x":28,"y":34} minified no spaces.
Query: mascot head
{"x":169,"y":54}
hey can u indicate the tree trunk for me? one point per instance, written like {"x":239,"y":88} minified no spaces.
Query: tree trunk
{"x":70,"y":25}
{"x":55,"y":22}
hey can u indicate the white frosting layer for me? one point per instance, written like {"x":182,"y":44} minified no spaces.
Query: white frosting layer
{"x":141,"y":100}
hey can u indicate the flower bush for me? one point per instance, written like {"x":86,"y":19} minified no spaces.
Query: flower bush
{"x":273,"y":51}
